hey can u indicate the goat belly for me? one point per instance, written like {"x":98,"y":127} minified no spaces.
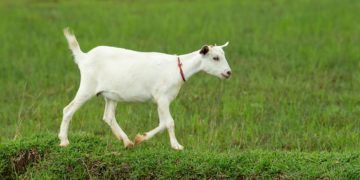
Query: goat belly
{"x":126,"y":97}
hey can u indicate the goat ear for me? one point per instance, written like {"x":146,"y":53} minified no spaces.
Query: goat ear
{"x":224,"y":45}
{"x":204,"y":50}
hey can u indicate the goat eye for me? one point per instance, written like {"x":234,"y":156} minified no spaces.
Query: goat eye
{"x":216,"y":58}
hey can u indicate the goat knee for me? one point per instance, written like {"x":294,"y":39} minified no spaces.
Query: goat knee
{"x":67,"y":115}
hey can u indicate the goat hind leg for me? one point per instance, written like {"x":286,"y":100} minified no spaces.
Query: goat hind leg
{"x":110,"y":119}
{"x":68,"y":113}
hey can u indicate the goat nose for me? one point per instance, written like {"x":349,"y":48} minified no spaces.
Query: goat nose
{"x":228,"y":73}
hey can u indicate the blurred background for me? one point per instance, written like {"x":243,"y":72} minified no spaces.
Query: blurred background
{"x":295,"y":83}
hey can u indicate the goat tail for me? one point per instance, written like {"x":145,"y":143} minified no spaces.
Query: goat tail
{"x":73,"y":44}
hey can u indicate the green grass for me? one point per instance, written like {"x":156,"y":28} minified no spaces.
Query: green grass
{"x":90,"y":157}
{"x":295,"y":84}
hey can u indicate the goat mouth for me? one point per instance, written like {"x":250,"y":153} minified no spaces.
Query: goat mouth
{"x":225,"y":76}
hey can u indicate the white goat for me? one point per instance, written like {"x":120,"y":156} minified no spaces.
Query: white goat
{"x":131,"y":76}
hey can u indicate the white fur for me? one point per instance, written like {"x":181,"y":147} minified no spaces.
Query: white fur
{"x":126,"y":75}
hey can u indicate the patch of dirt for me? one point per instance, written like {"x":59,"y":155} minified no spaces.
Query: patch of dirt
{"x":101,"y":169}
{"x":281,"y":176}
{"x":21,"y":161}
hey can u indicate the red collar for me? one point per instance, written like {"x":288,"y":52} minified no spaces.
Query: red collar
{"x":181,"y":71}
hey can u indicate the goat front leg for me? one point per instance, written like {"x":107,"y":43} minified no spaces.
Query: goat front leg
{"x":164,"y":113}
{"x":166,"y":121}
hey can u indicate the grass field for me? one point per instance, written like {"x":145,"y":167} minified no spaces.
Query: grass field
{"x":89,"y":157}
{"x":295,"y":84}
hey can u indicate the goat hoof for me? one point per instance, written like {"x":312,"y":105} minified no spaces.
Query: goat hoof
{"x":64,"y":143}
{"x":177,"y":147}
{"x":139,"y":138}
{"x":129,"y":145}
